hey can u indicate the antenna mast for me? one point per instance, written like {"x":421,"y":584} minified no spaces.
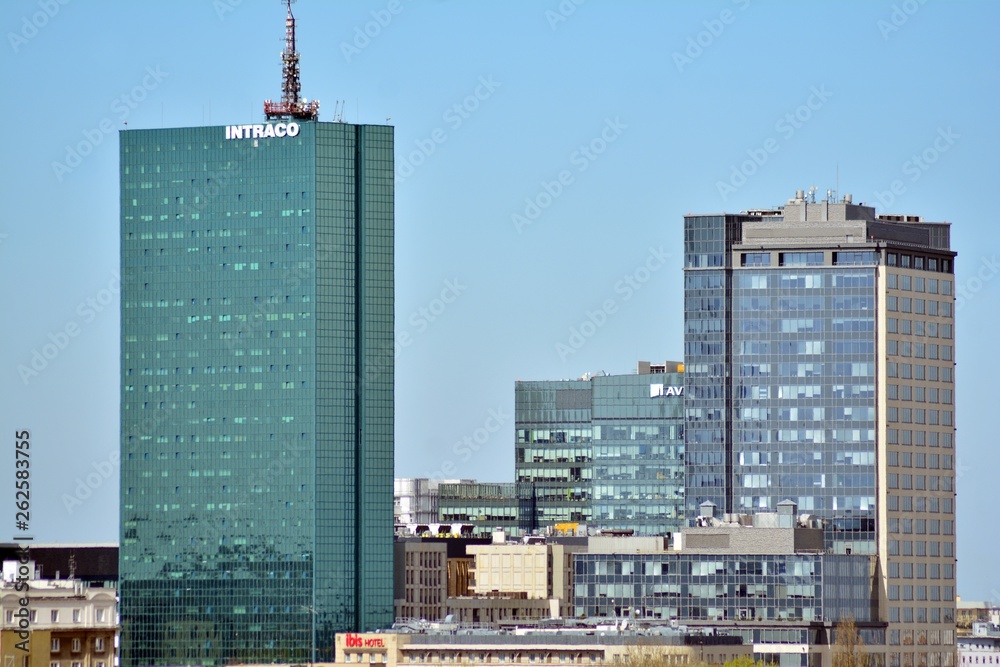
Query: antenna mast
{"x":291,"y":105}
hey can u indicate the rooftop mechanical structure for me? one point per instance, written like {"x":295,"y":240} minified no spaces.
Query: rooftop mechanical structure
{"x":291,"y":104}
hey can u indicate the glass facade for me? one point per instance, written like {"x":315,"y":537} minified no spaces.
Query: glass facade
{"x":488,"y":506}
{"x":819,"y":350}
{"x":708,"y":331}
{"x":725,"y":587}
{"x":256,"y":392}
{"x":803,"y":395}
{"x":605,"y":451}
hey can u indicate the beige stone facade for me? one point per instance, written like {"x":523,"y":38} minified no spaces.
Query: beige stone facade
{"x":392,"y":650}
{"x":71,"y":625}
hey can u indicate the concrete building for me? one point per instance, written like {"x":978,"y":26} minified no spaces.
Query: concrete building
{"x":516,"y":582}
{"x":968,"y":612}
{"x":819,"y":368}
{"x":981,"y":646}
{"x":606,"y":644}
{"x":71,"y":624}
{"x":540,"y":571}
{"x":428,"y":572}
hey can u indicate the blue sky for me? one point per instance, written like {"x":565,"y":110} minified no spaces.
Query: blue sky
{"x":546,"y":153}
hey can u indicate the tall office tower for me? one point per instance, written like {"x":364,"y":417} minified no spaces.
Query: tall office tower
{"x":256,"y":388}
{"x":819,"y":350}
{"x":605,"y":450}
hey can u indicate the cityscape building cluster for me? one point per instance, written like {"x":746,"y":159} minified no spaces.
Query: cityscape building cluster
{"x":793,"y":473}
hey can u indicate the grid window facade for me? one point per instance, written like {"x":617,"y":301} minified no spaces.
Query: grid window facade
{"x":257,"y":327}
{"x":803,"y":396}
{"x":608,"y":451}
{"x":920,"y":448}
{"x":814,"y":587}
{"x":827,"y":377}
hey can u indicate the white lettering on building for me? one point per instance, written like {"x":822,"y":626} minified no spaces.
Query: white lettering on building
{"x":262,"y":131}
{"x":656,"y":390}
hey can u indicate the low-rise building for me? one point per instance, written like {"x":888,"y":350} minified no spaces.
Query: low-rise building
{"x":429,"y":570}
{"x":968,"y":612}
{"x":981,"y":647}
{"x":592,"y":645}
{"x":71,"y":609}
{"x":415,"y":499}
{"x":488,"y":506}
{"x":71,"y":624}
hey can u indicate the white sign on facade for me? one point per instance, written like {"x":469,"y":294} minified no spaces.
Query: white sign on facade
{"x":262,"y":131}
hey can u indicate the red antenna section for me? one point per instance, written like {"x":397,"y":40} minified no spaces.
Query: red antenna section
{"x":291,"y":105}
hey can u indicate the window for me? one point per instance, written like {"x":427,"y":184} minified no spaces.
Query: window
{"x":55,"y":645}
{"x":76,"y":615}
{"x":801,"y":259}
{"x":756,"y":259}
{"x":54,"y":615}
{"x":853,"y":258}
{"x":100,"y":615}
{"x":99,"y":644}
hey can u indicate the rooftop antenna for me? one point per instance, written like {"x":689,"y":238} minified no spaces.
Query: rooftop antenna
{"x":291,"y":105}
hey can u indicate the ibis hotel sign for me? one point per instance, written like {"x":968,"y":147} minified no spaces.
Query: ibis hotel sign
{"x":664,"y":390}
{"x":262,"y":131}
{"x":352,"y":640}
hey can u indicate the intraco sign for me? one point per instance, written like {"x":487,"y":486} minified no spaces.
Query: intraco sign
{"x":661,"y":390}
{"x":360,"y":641}
{"x":262,"y":131}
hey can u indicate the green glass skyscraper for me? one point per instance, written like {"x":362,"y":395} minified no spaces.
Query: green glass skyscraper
{"x":256,"y":390}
